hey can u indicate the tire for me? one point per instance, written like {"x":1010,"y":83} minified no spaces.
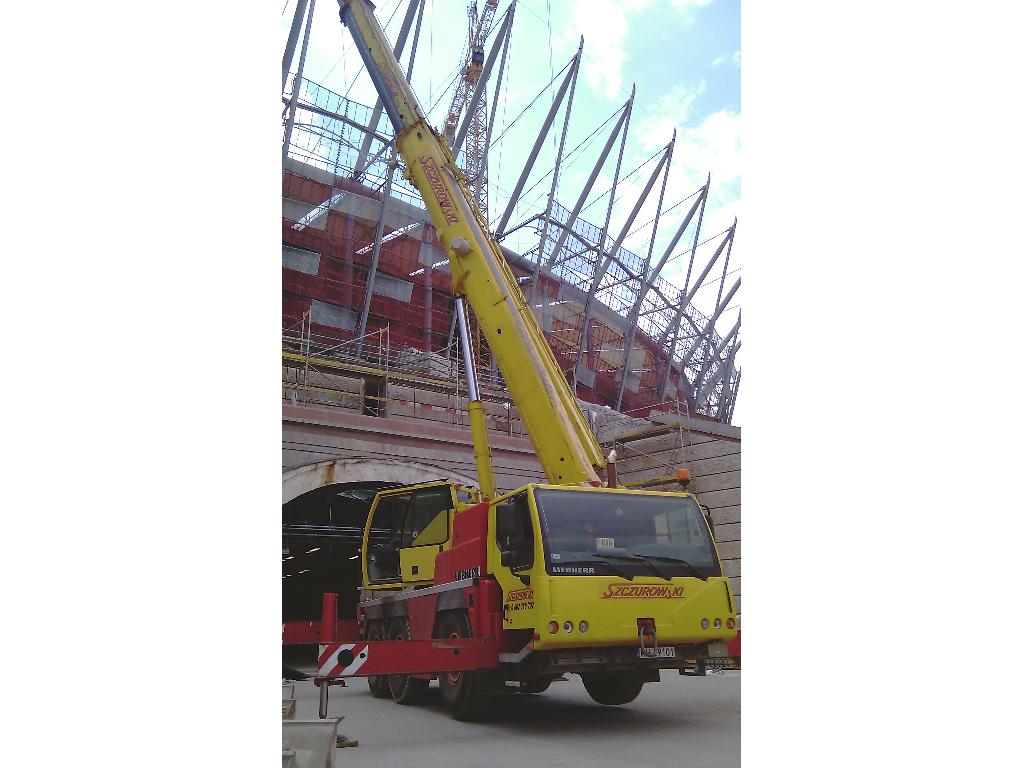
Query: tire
{"x":614,"y":688}
{"x":462,"y":692}
{"x":378,"y":684}
{"x":405,"y":689}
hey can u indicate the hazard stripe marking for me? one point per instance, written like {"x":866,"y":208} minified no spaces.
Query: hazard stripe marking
{"x":327,"y":665}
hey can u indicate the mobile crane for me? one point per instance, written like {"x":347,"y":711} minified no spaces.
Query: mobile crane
{"x":487,"y":591}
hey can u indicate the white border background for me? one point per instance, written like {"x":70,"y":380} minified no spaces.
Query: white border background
{"x":881,"y":187}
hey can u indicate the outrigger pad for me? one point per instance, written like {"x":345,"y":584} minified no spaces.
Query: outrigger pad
{"x":313,"y":742}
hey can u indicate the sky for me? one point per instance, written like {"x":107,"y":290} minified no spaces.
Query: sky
{"x":682,"y":55}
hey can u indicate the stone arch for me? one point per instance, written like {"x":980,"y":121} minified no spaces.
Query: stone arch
{"x":300,"y":480}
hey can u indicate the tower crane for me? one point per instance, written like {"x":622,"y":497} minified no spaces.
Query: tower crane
{"x":476,"y":138}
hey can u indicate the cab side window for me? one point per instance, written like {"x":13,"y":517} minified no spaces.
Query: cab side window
{"x":427,"y":522}
{"x":514,"y":532}
{"x":385,"y":537}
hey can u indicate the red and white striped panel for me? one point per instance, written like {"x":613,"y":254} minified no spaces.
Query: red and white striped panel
{"x":327,"y":662}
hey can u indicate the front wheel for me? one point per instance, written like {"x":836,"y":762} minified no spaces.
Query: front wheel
{"x":613,"y":688}
{"x":460,"y":691}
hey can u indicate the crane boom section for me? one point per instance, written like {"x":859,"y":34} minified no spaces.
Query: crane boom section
{"x":565,"y":445}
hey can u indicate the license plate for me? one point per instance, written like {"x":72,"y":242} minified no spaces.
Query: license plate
{"x":665,"y":652}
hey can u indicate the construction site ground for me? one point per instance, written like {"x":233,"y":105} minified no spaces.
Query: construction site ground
{"x":680,"y":722}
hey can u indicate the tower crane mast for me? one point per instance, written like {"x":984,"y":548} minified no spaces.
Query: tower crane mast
{"x":475,"y":161}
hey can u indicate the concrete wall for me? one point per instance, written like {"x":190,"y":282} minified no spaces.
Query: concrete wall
{"x":312,"y":434}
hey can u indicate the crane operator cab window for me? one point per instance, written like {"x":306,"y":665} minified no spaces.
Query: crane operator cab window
{"x":514,"y":533}
{"x":407,"y":532}
{"x":382,"y":563}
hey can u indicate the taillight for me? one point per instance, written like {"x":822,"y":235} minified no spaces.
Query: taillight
{"x":730,"y":623}
{"x":552,"y":627}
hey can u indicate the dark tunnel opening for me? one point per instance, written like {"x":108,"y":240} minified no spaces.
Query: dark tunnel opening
{"x":322,"y":534}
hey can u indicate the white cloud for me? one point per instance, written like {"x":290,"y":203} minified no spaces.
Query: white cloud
{"x":604,"y":26}
{"x":734,"y":57}
{"x":655,"y":124}
{"x":688,"y":8}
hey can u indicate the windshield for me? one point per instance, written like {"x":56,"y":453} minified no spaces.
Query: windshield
{"x":624,"y":534}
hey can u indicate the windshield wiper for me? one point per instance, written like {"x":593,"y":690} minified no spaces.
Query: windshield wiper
{"x":667,"y":559}
{"x":611,"y":567}
{"x":639,"y":559}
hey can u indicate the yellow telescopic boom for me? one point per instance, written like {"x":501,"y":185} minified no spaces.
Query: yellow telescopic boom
{"x":562,"y":439}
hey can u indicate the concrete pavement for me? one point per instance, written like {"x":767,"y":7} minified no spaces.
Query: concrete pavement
{"x":681,"y":722}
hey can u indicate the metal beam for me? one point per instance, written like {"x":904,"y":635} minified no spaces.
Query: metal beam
{"x":298,"y":83}
{"x":615,"y":177}
{"x":734,"y":390}
{"x":342,"y":118}
{"x":713,"y":359}
{"x":697,"y":341}
{"x":606,"y":262}
{"x":687,"y":298}
{"x":725,"y":267}
{"x":531,"y":159}
{"x":415,"y":39}
{"x":704,"y":393}
{"x":696,"y":236}
{"x":293,"y":37}
{"x":679,"y":233}
{"x":377,"y":237}
{"x":709,"y":327}
{"x":554,"y":180}
{"x":378,"y":108}
{"x":478,"y":92}
{"x":645,"y":282}
{"x":626,"y":108}
{"x":725,"y":386}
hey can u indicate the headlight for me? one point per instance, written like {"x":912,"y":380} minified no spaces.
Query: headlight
{"x":704,"y":624}
{"x":584,"y":626}
{"x":567,"y":626}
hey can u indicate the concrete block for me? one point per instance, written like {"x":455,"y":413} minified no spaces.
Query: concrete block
{"x":718,"y":499}
{"x":725,"y":515}
{"x":731,"y":567}
{"x":728,"y":549}
{"x":730,"y":532}
{"x":314,"y":742}
{"x":720,"y":481}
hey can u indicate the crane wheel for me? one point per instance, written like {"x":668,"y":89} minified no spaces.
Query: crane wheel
{"x":613,"y":688}
{"x":405,"y":689}
{"x":462,"y":692}
{"x":378,"y":684}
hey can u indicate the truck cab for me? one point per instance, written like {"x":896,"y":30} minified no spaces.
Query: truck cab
{"x":580,"y":567}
